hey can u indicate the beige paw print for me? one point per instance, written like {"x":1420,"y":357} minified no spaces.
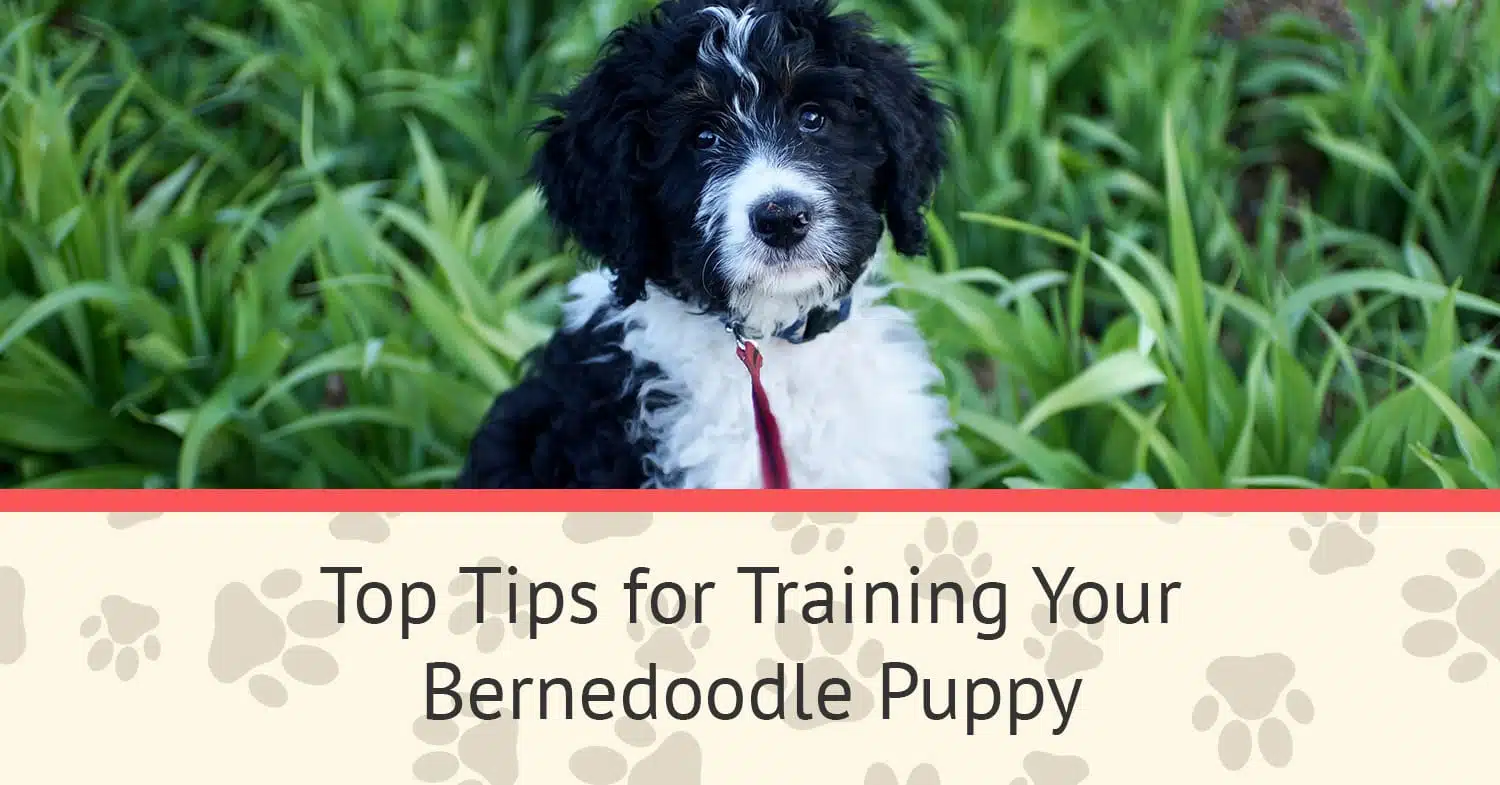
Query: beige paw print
{"x":1338,"y":544}
{"x":12,"y":615}
{"x":883,"y":774}
{"x":1044,"y":768}
{"x":947,"y":554}
{"x":125,"y":520}
{"x":463,"y":619}
{"x":1176,"y":517}
{"x":675,"y":760}
{"x":586,"y":528}
{"x":825,"y":651}
{"x":481,"y":751}
{"x":1065,"y":650}
{"x":1253,"y":687}
{"x":370,"y":527}
{"x":248,"y":635}
{"x":671,"y":647}
{"x":124,"y":624}
{"x":808,"y":530}
{"x":1473,"y":617}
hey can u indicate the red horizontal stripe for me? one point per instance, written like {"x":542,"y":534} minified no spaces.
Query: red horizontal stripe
{"x":941,"y":501}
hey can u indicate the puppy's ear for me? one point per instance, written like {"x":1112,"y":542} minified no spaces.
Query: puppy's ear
{"x":913,"y":125}
{"x":589,"y":173}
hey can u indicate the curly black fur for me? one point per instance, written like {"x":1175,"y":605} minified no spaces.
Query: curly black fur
{"x":565,"y":424}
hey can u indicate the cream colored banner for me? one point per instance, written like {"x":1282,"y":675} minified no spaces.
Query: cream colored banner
{"x":1195,"y":649}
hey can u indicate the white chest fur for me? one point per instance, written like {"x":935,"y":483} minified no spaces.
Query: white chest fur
{"x":855,"y":406}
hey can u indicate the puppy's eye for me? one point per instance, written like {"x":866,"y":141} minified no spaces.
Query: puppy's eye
{"x":810,"y":119}
{"x":706,"y":139}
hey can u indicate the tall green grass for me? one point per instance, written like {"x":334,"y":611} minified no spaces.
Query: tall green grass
{"x":287,"y":243}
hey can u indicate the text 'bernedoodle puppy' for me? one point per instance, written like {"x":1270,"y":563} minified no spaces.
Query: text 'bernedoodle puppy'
{"x":734,"y":166}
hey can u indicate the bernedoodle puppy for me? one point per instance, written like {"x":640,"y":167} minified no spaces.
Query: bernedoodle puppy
{"x":734,"y":167}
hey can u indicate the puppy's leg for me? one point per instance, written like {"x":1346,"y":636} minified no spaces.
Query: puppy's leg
{"x":567,"y":425}
{"x":503,"y":451}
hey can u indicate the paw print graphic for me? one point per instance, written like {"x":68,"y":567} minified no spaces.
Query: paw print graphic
{"x":1338,"y":544}
{"x":483,"y":751}
{"x":944,"y":555}
{"x":370,"y":527}
{"x":125,"y":520}
{"x":1253,"y":687}
{"x":248,"y":636}
{"x":12,"y":615}
{"x":1176,"y":517}
{"x":825,"y":651}
{"x":671,"y":647}
{"x":639,"y":758}
{"x":1044,"y":768}
{"x":1473,"y":617}
{"x":1064,"y":649}
{"x":586,"y":528}
{"x":810,"y":529}
{"x":883,"y":774}
{"x":124,"y":624}
{"x":497,"y":588}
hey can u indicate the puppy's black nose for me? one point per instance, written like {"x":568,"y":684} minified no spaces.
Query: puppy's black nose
{"x":782,"y":220}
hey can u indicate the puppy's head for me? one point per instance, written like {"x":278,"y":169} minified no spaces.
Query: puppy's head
{"x":744,"y":155}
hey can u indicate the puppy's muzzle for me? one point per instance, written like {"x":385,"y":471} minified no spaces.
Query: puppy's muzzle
{"x":782,"y":220}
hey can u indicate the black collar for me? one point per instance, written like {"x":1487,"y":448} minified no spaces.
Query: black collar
{"x":815,"y":323}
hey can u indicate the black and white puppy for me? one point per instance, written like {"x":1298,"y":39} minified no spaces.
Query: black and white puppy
{"x":734,"y":165}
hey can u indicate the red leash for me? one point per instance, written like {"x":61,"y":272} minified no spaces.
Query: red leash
{"x":773,"y":470}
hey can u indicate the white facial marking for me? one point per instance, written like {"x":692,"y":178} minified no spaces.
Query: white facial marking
{"x":770,"y":286}
{"x":737,"y":28}
{"x":731,"y":50}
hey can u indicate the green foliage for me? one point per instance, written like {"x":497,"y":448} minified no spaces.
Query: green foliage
{"x":289,"y":243}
